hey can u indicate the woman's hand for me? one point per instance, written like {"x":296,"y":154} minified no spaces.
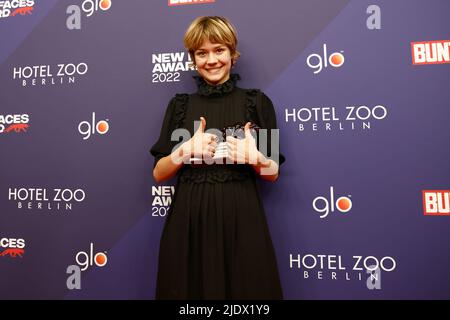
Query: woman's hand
{"x":202,"y":145}
{"x":243,"y":151}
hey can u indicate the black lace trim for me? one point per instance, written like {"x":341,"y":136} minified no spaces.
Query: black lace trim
{"x":206,"y":89}
{"x":215,"y":173}
{"x":180,"y":100}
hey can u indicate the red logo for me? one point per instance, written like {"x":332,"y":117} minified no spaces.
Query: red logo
{"x":436,"y":202}
{"x":13,"y":253}
{"x":13,"y":247}
{"x":181,"y":2}
{"x":430,"y":52}
{"x":22,"y":11}
{"x":13,"y":8}
{"x":18,"y":127}
{"x":14,"y":122}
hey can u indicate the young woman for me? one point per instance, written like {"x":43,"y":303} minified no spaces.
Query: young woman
{"x":216,"y":243}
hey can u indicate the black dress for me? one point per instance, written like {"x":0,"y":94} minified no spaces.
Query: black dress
{"x":216,"y":243}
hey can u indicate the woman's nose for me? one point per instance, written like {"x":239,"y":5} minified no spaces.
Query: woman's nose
{"x":212,"y":59}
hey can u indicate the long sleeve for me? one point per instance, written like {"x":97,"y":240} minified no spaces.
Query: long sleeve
{"x":269,"y":121}
{"x":163,"y":146}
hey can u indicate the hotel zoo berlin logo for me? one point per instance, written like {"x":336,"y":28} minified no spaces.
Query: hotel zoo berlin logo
{"x":15,"y":8}
{"x":12,"y":247}
{"x":333,"y":119}
{"x":46,"y":199}
{"x":338,"y":267}
{"x":44,"y":75}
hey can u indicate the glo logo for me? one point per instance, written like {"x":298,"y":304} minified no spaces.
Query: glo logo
{"x":84,"y":261}
{"x":318,"y":62}
{"x":325,"y":205}
{"x":87,"y":128}
{"x":89,"y":7}
{"x":88,"y":259}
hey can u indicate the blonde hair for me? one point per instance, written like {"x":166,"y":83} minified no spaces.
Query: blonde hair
{"x":215,"y":29}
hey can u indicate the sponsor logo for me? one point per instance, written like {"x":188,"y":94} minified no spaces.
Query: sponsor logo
{"x":18,"y":123}
{"x":319,"y":62}
{"x":167,"y":67}
{"x":62,"y":73}
{"x":338,"y":267}
{"x":436,"y":202}
{"x":88,"y":259}
{"x":88,"y":7}
{"x":326,"y":205}
{"x":46,"y":199}
{"x":331,"y":119}
{"x":15,"y":8}
{"x":12,"y":247}
{"x":162,"y":199}
{"x":430,"y":52}
{"x":84,"y":260}
{"x":86,"y":128}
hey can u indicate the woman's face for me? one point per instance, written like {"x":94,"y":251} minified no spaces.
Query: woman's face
{"x":213,"y":61}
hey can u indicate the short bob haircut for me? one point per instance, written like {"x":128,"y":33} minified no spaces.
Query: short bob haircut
{"x":216,"y":30}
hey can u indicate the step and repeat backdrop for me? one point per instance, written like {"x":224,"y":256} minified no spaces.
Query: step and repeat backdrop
{"x":361,"y":91}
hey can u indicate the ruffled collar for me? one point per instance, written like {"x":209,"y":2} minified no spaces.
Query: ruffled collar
{"x":206,"y":89}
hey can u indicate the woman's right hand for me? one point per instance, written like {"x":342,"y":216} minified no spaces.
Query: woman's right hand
{"x":202,"y":145}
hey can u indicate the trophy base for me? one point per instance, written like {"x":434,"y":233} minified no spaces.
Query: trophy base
{"x":219,"y":156}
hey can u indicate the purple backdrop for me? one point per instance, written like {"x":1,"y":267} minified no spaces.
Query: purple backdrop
{"x":84,"y":86}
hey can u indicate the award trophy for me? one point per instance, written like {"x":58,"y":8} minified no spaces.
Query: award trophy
{"x":221,"y":152}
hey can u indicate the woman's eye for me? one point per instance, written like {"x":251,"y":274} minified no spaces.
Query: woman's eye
{"x":220,"y":50}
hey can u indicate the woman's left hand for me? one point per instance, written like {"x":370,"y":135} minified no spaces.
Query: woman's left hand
{"x":243,"y":151}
